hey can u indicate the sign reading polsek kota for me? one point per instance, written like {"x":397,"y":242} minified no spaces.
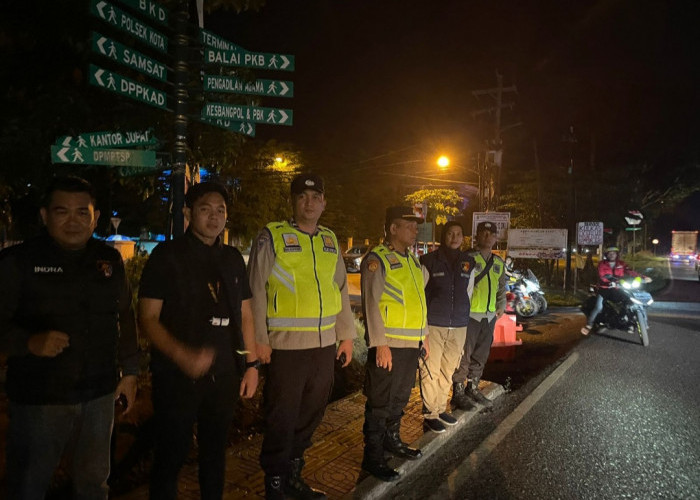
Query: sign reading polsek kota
{"x":121,"y":20}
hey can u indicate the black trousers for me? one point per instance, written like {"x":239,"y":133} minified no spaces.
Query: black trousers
{"x":387,"y":391}
{"x":477,"y":347}
{"x":179,"y":402}
{"x":297,"y":387}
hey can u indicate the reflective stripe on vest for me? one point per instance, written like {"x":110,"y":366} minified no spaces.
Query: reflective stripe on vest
{"x":302,"y":294}
{"x":485,"y":292}
{"x":402,"y":305}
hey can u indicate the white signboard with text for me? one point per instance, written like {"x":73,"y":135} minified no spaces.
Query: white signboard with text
{"x":501,"y":219}
{"x":537,"y":243}
{"x":589,"y":233}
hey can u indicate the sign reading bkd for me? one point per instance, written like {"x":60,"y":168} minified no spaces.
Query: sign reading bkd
{"x":589,"y":233}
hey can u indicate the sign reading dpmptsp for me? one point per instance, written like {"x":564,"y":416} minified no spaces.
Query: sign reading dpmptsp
{"x":128,"y":57}
{"x":126,"y":87}
{"x":116,"y":17}
{"x":90,"y":156}
{"x":254,"y":114}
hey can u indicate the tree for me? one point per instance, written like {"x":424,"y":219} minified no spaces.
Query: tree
{"x":443,"y":203}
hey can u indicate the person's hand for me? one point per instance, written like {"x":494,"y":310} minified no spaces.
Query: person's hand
{"x":264,"y":352}
{"x":48,"y":344}
{"x":249,"y":383}
{"x":345,"y":347}
{"x":426,"y":347}
{"x":127,"y":387}
{"x":646,"y":279}
{"x":195,"y":363}
{"x":384,"y":357}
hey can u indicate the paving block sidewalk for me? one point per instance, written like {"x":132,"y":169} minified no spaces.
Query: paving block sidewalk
{"x":333,"y":461}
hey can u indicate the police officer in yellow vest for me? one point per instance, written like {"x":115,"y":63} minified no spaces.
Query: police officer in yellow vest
{"x":301,"y":309}
{"x":488,"y":304}
{"x":395,"y":312}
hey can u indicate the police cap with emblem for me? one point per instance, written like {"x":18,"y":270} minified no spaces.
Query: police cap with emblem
{"x":306,"y":181}
{"x":405,"y":213}
{"x":486,"y":226}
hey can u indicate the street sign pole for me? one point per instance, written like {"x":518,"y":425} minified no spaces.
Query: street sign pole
{"x":177,"y":187}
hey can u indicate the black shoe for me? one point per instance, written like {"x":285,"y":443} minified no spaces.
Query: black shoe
{"x":433,"y":424}
{"x":394,"y":445}
{"x":448,"y":419}
{"x":295,"y":486}
{"x":274,"y":487}
{"x":380,"y":470}
{"x":476,"y":395}
{"x":460,"y":399}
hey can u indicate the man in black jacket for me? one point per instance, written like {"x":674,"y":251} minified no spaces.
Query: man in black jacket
{"x":65,"y":318}
{"x":195,"y":306}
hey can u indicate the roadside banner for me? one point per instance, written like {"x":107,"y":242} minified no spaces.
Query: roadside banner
{"x":537,"y":243}
{"x":589,"y":233}
{"x":501,"y":219}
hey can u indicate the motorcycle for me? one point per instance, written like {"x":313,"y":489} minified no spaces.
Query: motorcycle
{"x":624,"y":306}
{"x":519,"y":302}
{"x":533,"y":290}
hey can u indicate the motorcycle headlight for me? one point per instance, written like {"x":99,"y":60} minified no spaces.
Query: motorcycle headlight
{"x":636,"y":282}
{"x":625,"y":284}
{"x":523,"y":288}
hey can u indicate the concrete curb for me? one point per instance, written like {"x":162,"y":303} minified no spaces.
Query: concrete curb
{"x":372,"y":488}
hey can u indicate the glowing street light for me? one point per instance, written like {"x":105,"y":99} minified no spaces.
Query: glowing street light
{"x":443,"y":162}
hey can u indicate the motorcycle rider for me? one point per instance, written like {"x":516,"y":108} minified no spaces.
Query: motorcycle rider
{"x":609,"y":267}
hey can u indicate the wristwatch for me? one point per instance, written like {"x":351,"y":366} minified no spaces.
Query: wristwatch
{"x":253,"y":364}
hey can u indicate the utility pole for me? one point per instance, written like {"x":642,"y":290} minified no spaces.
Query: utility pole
{"x":494,"y":156}
{"x":570,"y":139}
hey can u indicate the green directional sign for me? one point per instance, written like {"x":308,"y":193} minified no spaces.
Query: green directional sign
{"x":270,"y":116}
{"x":239,"y":127}
{"x":109,"y":139}
{"x":233,"y":85}
{"x":129,"y":57}
{"x":127,"y":87}
{"x":151,"y":9}
{"x":116,"y":17}
{"x":134,"y":171}
{"x":91,"y":156}
{"x":633,"y":229}
{"x":245,"y":59}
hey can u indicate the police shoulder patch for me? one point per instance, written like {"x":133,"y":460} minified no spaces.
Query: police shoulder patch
{"x":372,"y":265}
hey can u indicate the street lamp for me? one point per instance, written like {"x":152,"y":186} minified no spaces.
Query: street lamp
{"x":444,"y":162}
{"x":655,"y":242}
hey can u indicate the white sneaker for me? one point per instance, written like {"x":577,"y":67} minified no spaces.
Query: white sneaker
{"x":586,"y":329}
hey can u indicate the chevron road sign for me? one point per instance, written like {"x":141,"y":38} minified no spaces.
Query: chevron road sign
{"x":116,"y":17}
{"x":239,"y":127}
{"x":127,"y":87}
{"x":91,"y":156}
{"x":233,"y":85}
{"x":270,"y":116}
{"x":129,"y":57}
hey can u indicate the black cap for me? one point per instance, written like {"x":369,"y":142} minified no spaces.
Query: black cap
{"x":198,"y":190}
{"x":486,"y":226}
{"x":306,"y":181}
{"x":405,"y":213}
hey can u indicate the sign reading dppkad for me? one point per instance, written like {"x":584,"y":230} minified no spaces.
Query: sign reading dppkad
{"x":589,"y":233}
{"x":129,"y":88}
{"x":128,"y":57}
{"x":239,"y":127}
{"x":271,"y":116}
{"x":121,"y":20}
{"x":109,"y":139}
{"x":151,"y":9}
{"x":90,"y":156}
{"x":230,"y":84}
{"x":537,"y":243}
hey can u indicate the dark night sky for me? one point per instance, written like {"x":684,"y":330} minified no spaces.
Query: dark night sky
{"x":373,"y":77}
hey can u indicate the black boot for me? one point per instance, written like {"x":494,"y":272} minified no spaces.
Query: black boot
{"x":459,"y":397}
{"x":274,"y":486}
{"x":394,"y":445}
{"x":295,"y":486}
{"x":373,"y":460}
{"x":475,"y":394}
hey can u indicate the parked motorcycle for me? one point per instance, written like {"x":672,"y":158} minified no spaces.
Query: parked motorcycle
{"x":624,"y":306}
{"x":533,"y":290}
{"x":518,"y":302}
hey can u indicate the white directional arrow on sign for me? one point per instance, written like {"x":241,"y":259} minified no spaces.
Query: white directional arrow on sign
{"x":285,"y":62}
{"x":62,"y":154}
{"x":66,"y":141}
{"x":100,"y":6}
{"x":284,"y":117}
{"x":285,"y":88}
{"x":100,"y":44}
{"x":98,"y":74}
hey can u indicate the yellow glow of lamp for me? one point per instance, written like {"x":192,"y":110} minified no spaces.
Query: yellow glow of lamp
{"x":443,"y":162}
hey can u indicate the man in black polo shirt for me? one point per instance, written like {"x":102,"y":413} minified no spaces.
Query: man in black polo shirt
{"x":195,"y":307}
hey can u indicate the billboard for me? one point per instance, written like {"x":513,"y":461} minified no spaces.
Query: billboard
{"x":501,"y":219}
{"x":537,"y":243}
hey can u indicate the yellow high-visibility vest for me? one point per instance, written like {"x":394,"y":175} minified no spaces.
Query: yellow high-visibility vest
{"x":302,"y":294}
{"x":402,"y":304}
{"x":485,"y":292}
